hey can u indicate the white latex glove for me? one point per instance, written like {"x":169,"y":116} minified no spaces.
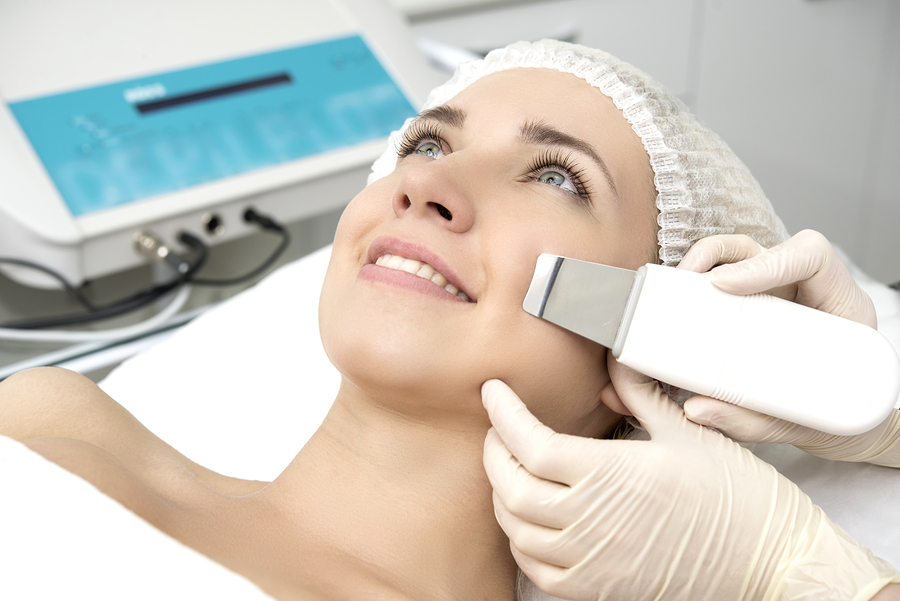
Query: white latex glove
{"x":688,"y":515}
{"x":805,"y":269}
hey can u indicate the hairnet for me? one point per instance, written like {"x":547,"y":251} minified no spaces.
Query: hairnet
{"x":702,"y":187}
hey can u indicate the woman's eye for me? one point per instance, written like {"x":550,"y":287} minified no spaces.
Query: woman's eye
{"x":422,"y":138}
{"x":555,"y":178}
{"x":562,"y":171}
{"x":430,"y":148}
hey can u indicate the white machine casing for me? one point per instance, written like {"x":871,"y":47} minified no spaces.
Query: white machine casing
{"x":59,"y":46}
{"x":760,"y":352}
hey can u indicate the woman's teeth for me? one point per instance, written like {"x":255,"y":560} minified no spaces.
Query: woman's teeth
{"x":423,"y":270}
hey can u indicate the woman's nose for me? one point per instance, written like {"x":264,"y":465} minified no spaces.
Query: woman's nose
{"x":432,"y":191}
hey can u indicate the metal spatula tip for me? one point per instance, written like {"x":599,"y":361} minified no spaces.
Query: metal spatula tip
{"x":586,"y":298}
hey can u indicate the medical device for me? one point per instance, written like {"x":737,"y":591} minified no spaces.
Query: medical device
{"x":121,"y":119}
{"x":756,"y":351}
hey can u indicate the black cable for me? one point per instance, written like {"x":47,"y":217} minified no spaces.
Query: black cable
{"x":148,"y":295}
{"x":71,"y":289}
{"x":154,"y":292}
{"x":125,"y":305}
{"x":267,"y":223}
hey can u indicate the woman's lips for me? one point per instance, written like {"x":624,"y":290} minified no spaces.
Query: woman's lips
{"x":421,"y":270}
{"x":414,"y":265}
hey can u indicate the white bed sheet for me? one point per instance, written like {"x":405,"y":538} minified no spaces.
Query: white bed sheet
{"x":241,"y":389}
{"x":61,"y":539}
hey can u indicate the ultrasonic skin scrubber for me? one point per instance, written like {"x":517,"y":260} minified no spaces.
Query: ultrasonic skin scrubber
{"x":757,"y":351}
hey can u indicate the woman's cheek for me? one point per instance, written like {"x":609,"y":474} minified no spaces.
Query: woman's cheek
{"x":558,"y":374}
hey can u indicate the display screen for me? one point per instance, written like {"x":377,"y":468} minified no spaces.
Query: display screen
{"x":235,"y":88}
{"x":110,"y":145}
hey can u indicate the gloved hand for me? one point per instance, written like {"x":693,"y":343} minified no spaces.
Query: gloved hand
{"x":687,"y":515}
{"x":805,"y":269}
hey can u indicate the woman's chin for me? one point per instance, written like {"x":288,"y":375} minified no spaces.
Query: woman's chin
{"x":392,"y":371}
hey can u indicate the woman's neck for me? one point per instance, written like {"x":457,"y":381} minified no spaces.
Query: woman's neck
{"x":386,"y":502}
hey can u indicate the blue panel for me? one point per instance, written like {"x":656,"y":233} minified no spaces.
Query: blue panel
{"x":114,"y":144}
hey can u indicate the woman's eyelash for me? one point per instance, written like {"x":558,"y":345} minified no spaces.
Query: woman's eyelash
{"x":421,"y":131}
{"x":564,"y":162}
{"x":414,"y":136}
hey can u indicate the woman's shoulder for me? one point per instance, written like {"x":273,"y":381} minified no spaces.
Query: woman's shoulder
{"x":71,"y":421}
{"x":51,"y":401}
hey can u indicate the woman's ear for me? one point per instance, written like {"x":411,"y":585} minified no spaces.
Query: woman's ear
{"x":610,"y":397}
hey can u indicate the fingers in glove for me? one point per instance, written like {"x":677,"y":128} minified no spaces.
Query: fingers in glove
{"x":543,"y":452}
{"x":806,"y":258}
{"x":880,"y":446}
{"x":521,"y":493}
{"x":644,"y":398}
{"x":715,"y":250}
{"x":549,"y":545}
{"x":548,"y":577}
{"x":563,"y":583}
{"x":741,"y":424}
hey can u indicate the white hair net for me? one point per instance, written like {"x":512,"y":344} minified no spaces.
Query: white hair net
{"x":702,"y":187}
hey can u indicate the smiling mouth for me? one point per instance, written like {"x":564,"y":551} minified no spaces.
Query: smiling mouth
{"x":422,"y":270}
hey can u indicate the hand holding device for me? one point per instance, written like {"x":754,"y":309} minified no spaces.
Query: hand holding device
{"x":756,"y":351}
{"x":688,"y":514}
{"x":807,"y":270}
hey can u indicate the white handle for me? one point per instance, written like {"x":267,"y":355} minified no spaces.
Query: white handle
{"x":762,"y":352}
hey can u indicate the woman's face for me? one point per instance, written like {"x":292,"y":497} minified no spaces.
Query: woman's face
{"x":522,"y":162}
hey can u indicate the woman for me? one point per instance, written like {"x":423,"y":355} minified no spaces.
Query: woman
{"x":421,"y":306}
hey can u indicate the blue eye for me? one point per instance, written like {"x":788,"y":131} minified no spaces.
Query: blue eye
{"x":430,"y":148}
{"x":560,"y":170}
{"x":422,"y":138}
{"x":555,"y":178}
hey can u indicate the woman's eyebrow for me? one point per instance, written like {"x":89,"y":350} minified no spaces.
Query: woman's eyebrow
{"x":541,"y":134}
{"x":445,"y":115}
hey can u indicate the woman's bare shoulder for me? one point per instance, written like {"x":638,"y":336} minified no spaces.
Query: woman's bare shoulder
{"x":71,"y":421}
{"x":50,"y":401}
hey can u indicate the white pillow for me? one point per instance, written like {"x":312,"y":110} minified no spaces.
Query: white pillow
{"x":242,"y":387}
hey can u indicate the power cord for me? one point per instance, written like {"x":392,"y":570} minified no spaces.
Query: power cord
{"x":130,"y":303}
{"x":136,"y":331}
{"x":72,"y":290}
{"x":267,"y":224}
{"x":186,"y":274}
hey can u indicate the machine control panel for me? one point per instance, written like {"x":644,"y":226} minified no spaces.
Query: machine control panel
{"x":114,"y":144}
